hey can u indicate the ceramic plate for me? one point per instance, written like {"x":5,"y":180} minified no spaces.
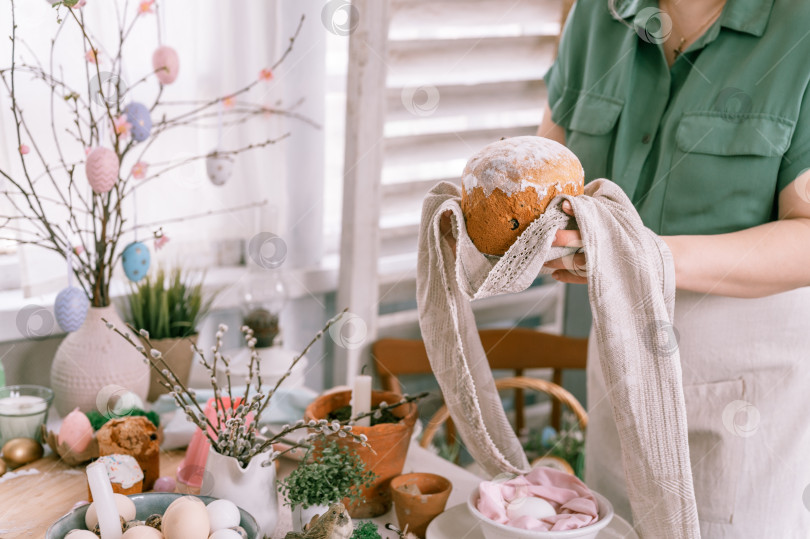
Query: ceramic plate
{"x":457,"y":523}
{"x":145,"y":505}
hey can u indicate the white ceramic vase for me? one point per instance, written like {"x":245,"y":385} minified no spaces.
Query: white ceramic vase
{"x":92,"y":358}
{"x":252,"y":488}
{"x":301,"y":517}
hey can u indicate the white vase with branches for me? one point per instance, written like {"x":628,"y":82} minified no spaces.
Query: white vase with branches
{"x":51,"y":205}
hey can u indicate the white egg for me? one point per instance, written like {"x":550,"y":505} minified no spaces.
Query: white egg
{"x":142,"y":532}
{"x":219,"y":168}
{"x":81,"y":534}
{"x":223,"y":514}
{"x":126,"y":508}
{"x":186,"y":518}
{"x":530,"y":506}
{"x":225,"y":533}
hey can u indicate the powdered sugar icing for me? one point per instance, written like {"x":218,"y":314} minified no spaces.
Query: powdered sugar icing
{"x":506,"y":159}
{"x":122,"y":469}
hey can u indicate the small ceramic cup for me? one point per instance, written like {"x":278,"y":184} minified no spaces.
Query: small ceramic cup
{"x":418,"y":499}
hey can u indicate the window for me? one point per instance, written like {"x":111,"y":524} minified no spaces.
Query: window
{"x":459,"y":76}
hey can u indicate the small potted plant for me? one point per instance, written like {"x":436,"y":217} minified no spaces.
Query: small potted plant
{"x":169,"y":305}
{"x":325,"y":476}
{"x":392,"y":420}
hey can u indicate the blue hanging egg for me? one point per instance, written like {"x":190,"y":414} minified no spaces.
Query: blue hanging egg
{"x":70,"y":308}
{"x":138,"y":116}
{"x":136,"y":259}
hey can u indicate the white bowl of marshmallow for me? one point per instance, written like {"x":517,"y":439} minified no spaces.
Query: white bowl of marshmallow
{"x":542,"y":504}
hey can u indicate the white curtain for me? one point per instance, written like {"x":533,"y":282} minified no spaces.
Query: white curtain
{"x":222,"y":47}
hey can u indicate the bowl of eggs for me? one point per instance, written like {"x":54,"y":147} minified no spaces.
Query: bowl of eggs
{"x":161,"y":515}
{"x":537,"y":506}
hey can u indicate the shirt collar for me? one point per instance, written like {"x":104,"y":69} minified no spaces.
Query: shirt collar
{"x":749,"y":16}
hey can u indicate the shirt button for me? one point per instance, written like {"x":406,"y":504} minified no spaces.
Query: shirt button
{"x":646,"y":138}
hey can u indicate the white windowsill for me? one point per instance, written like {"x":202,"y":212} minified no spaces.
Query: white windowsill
{"x":301,"y":283}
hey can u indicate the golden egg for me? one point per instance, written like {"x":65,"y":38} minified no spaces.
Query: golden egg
{"x":21,"y":451}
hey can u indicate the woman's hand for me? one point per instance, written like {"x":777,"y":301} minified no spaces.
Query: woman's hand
{"x":571,"y":268}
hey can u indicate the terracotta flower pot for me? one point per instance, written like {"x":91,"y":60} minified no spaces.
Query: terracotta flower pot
{"x":418,"y":499}
{"x":177,"y":353}
{"x":389,"y":442}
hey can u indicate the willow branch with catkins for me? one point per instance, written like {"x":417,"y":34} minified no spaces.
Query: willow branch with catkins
{"x":236,"y":430}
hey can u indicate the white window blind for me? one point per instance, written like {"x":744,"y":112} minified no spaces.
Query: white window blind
{"x":460,"y":74}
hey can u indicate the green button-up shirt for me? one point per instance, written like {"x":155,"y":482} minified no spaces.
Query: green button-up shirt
{"x":703,"y":147}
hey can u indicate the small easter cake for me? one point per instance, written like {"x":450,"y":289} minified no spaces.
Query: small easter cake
{"x":135,"y":436}
{"x":125,"y":474}
{"x":509,"y":184}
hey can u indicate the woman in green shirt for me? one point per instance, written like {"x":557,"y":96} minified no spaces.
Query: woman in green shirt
{"x":700,"y":111}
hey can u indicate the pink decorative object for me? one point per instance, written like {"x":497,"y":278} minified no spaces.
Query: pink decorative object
{"x":146,"y":7}
{"x":166,"y":64}
{"x":139,"y":170}
{"x":265,"y":74}
{"x":573,"y":502}
{"x":160,"y":241}
{"x":191,"y":469}
{"x":24,"y":149}
{"x":75,"y":431}
{"x":122,"y":126}
{"x":165,"y":484}
{"x":91,"y":56}
{"x":102,"y":169}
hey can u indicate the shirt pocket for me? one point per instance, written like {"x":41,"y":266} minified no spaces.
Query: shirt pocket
{"x":723,"y":172}
{"x":590,"y":122}
{"x":716,"y":449}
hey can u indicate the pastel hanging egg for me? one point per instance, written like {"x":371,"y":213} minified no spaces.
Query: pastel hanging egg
{"x":218,"y":167}
{"x":102,"y":169}
{"x":70,"y":308}
{"x":136,"y":259}
{"x":138,"y":117}
{"x":166,"y":64}
{"x":76,"y":431}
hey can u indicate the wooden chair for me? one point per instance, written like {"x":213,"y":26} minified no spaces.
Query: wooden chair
{"x":558,"y":393}
{"x":515,"y":349}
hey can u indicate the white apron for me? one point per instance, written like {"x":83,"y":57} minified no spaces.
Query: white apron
{"x":746,"y":377}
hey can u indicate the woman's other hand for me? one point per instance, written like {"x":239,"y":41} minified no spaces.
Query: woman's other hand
{"x":570,"y":268}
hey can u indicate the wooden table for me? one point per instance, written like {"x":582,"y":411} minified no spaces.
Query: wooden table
{"x":41,"y":492}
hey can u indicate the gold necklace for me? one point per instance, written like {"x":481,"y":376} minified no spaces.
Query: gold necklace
{"x":679,"y":49}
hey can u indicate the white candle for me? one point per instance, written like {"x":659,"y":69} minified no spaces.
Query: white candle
{"x":21,"y":416}
{"x":109,"y":522}
{"x":361,"y":399}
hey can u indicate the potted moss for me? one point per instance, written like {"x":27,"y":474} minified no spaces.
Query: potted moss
{"x":169,"y":306}
{"x":392,"y":420}
{"x":326,"y":475}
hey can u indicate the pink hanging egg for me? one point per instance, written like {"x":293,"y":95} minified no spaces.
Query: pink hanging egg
{"x":102,"y":169}
{"x":166,"y":64}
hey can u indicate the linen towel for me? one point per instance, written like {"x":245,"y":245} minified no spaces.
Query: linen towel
{"x":631,"y":288}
